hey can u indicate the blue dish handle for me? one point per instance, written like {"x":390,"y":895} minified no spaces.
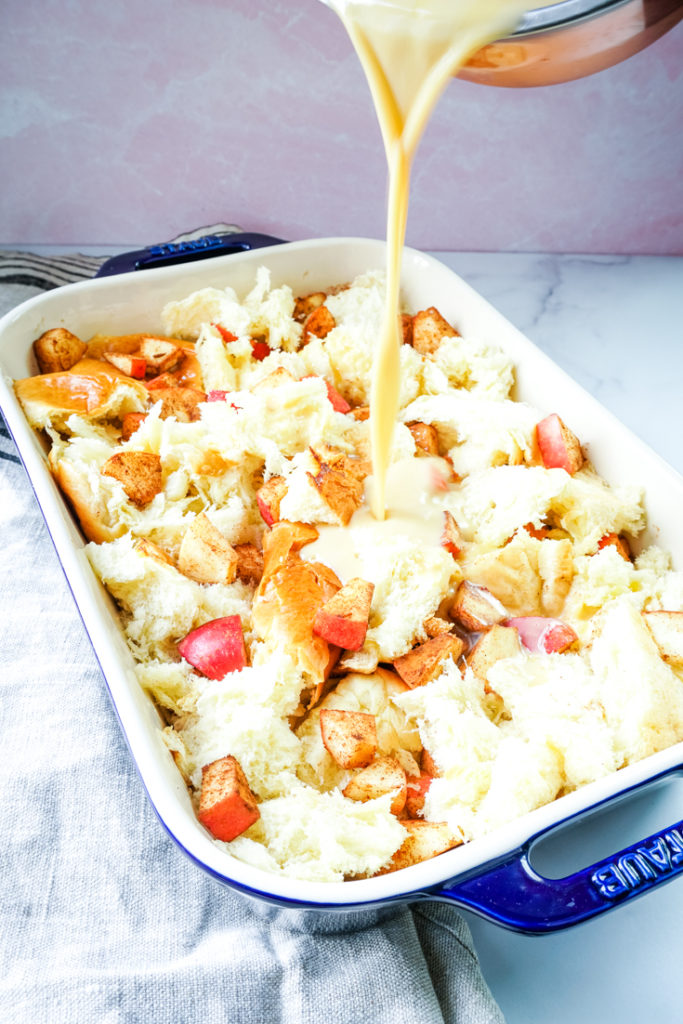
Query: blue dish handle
{"x":514,"y":895}
{"x":169,"y":253}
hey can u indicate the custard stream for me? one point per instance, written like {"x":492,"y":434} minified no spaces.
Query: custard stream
{"x":409,"y":49}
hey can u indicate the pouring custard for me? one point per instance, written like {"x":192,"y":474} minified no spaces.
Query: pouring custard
{"x":409,"y":49}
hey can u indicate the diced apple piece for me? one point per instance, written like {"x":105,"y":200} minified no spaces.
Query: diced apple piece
{"x":417,"y":788}
{"x":343,"y":620}
{"x":499,"y":642}
{"x":425,"y":839}
{"x":559,"y":447}
{"x":227,"y":336}
{"x":350,"y":737}
{"x":337,"y":401}
{"x":429,"y":327}
{"x":382,"y":776}
{"x":538,"y":533}
{"x":450,"y":537}
{"x":543,"y":635}
{"x":260,"y":349}
{"x":205,"y":555}
{"x":249,"y":563}
{"x":57,"y":350}
{"x":164,"y":380}
{"x":423,"y":663}
{"x":183,"y":403}
{"x":341,"y":491}
{"x":215,"y":648}
{"x":160,"y":355}
{"x":434,"y":626}
{"x":274,"y":380}
{"x":620,"y":543}
{"x":131,"y":365}
{"x":151,"y":550}
{"x":319,"y":323}
{"x":406,"y":326}
{"x":428,"y":764}
{"x":667,"y":631}
{"x":227,"y":806}
{"x":476,"y":608}
{"x":268,"y":498}
{"x":425,"y":437}
{"x":131,"y":423}
{"x":138,"y":472}
{"x":307,"y":304}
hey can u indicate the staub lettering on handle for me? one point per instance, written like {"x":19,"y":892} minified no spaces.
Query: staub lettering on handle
{"x":662,"y":855}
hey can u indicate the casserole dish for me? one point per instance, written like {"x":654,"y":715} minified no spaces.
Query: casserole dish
{"x":491,"y":875}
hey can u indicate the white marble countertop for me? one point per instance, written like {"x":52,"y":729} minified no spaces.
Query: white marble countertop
{"x":616,"y":325}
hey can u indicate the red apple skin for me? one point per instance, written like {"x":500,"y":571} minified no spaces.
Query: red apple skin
{"x":265,"y":510}
{"x":259,"y":350}
{"x":229,"y":819}
{"x":417,"y":792}
{"x":542,"y":635}
{"x":216,"y":648}
{"x":558,"y":447}
{"x":339,"y":404}
{"x":225,"y":334}
{"x":133,"y":366}
{"x":339,"y":631}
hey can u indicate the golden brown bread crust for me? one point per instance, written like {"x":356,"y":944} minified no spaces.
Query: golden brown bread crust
{"x":89,"y":510}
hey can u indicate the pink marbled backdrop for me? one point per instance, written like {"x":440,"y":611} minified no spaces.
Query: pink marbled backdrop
{"x":128,"y":122}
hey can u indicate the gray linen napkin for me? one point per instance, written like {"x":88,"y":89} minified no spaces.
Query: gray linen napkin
{"x":102,"y":918}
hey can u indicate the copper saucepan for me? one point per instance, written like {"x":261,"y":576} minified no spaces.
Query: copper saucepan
{"x":572,"y":39}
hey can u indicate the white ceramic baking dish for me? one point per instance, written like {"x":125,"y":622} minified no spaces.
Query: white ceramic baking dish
{"x":492,"y":875}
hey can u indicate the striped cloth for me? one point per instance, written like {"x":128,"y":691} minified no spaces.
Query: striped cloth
{"x":23,"y":275}
{"x":102,"y":919}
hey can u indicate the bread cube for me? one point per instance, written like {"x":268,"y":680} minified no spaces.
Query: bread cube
{"x":350,"y":737}
{"x":382,"y":776}
{"x":138,"y":472}
{"x":667,"y":632}
{"x":58,"y":350}
{"x":424,"y":663}
{"x":227,"y":806}
{"x":205,"y":555}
